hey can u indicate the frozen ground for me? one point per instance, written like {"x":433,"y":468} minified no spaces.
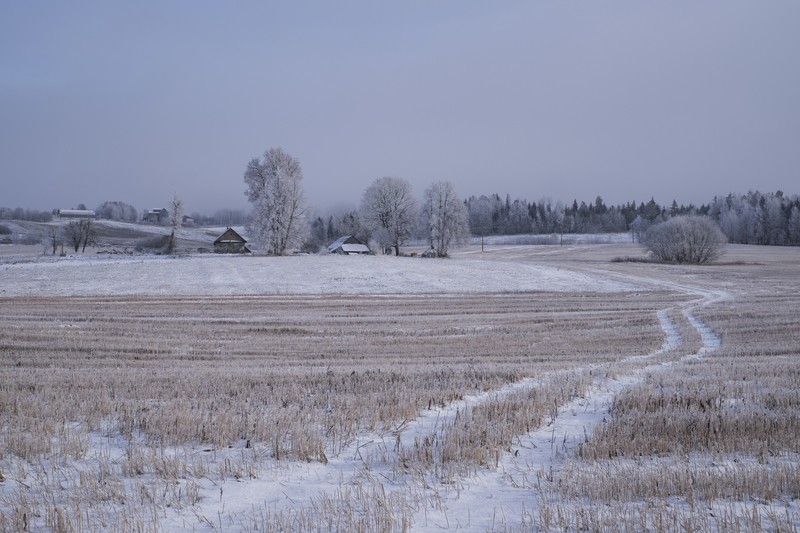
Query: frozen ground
{"x":92,"y":275}
{"x":492,"y":499}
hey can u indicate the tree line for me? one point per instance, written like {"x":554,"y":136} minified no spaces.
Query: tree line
{"x":491,"y":215}
{"x":751,"y":218}
{"x":756,"y":218}
{"x":390,"y":215}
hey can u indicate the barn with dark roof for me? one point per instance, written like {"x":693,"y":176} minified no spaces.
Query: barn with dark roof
{"x":231,"y":242}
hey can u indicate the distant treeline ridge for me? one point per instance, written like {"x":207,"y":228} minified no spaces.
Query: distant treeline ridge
{"x":751,"y":218}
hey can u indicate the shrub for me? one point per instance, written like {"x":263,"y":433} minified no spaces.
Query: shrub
{"x":5,"y":230}
{"x":689,"y":239}
{"x":155,"y":244}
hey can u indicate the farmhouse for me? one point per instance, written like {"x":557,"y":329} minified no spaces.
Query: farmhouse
{"x":156,"y":216}
{"x":76,"y":213}
{"x":348,"y":245}
{"x":231,"y":242}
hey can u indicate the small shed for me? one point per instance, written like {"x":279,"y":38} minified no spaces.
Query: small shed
{"x":231,"y":242}
{"x":348,"y":245}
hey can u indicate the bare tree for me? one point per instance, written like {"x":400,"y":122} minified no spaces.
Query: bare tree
{"x":388,"y":204}
{"x":274,"y":188}
{"x":687,"y":239}
{"x":73,"y":233}
{"x":444,"y":217}
{"x":176,"y":222}
{"x":89,"y":234}
{"x":54,"y":237}
{"x":79,"y":234}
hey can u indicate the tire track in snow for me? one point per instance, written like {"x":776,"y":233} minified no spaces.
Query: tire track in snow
{"x":497,"y":499}
{"x":477,"y":503}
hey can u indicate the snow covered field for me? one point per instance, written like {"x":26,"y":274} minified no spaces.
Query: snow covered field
{"x":319,"y":393}
{"x":82,"y":275}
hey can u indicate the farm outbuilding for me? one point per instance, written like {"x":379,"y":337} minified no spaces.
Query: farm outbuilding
{"x":156,"y":216}
{"x":348,"y":245}
{"x":76,"y":213}
{"x":231,"y":242}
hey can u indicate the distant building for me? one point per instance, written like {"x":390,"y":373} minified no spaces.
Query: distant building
{"x":156,"y":216}
{"x":75,"y":213}
{"x":348,"y":245}
{"x":231,"y":242}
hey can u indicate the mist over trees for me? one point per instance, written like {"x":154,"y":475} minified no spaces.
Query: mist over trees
{"x":221,"y":217}
{"x":114,"y":210}
{"x":29,"y":215}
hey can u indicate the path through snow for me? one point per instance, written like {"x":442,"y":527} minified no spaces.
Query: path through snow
{"x":484,"y":501}
{"x":504,"y":497}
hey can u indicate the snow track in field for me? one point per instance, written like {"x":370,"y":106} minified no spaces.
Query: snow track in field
{"x":491,"y":498}
{"x":503,"y":498}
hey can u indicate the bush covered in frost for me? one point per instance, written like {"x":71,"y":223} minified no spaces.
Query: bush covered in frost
{"x":689,"y":239}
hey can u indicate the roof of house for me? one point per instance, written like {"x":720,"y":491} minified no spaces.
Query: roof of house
{"x":355,"y":248}
{"x":349,"y":244}
{"x":230,"y":235}
{"x":76,"y":212}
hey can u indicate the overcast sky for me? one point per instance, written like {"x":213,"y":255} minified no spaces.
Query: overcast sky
{"x":138,"y":101}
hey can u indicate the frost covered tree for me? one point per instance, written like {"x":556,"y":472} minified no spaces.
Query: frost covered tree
{"x":482,"y":212}
{"x":793,"y":230}
{"x":518,"y":218}
{"x":114,"y":210}
{"x":349,"y":223}
{"x":54,"y":237}
{"x":175,"y":222}
{"x":685,"y":239}
{"x":275,"y":190}
{"x":444,"y":217}
{"x":756,"y":218}
{"x":388,"y":204}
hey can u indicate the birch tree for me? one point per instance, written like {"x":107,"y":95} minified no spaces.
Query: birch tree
{"x":388,"y":204}
{"x":444,"y":217}
{"x":275,"y":190}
